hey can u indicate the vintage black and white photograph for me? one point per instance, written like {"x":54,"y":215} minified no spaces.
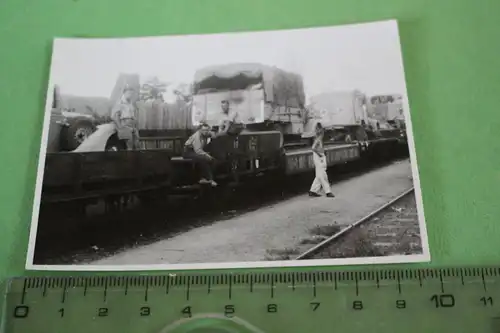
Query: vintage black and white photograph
{"x":248,"y":149}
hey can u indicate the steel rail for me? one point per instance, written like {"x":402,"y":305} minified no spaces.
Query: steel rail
{"x":315,"y":249}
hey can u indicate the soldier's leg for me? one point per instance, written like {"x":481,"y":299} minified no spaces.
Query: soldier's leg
{"x":206,"y":167}
{"x":316,"y":185}
{"x":203,"y":164}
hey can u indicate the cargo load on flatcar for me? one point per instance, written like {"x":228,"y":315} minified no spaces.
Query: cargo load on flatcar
{"x":259,"y":93}
{"x":387,"y":108}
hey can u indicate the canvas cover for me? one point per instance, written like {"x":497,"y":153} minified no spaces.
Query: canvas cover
{"x":384,"y":112}
{"x":386,"y":107}
{"x":280,"y":87}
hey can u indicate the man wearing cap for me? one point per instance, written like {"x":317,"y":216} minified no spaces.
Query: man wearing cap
{"x":125,"y":119}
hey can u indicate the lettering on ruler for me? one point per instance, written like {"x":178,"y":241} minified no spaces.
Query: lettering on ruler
{"x":401,"y":304}
{"x":487,"y":301}
{"x":21,"y":311}
{"x":315,"y":306}
{"x":102,"y":312}
{"x":272,"y":308}
{"x":186,"y":312}
{"x":145,"y":311}
{"x":443,"y":301}
{"x":357,"y":305}
{"x":229,"y":310}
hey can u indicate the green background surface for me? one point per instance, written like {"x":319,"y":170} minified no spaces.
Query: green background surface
{"x":451,"y":52}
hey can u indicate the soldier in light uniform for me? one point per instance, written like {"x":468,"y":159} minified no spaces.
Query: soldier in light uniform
{"x":124,"y":116}
{"x":319,"y":158}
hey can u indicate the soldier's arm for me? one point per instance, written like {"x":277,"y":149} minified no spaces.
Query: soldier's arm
{"x":223,"y":126}
{"x":136,"y":116}
{"x":235,"y":117}
{"x":115,"y":114}
{"x":315,"y":147}
{"x":197,"y":146}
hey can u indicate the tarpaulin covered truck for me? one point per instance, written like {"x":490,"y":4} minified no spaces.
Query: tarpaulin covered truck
{"x":339,"y":108}
{"x":269,"y":101}
{"x":388,"y":108}
{"x":261,"y":94}
{"x":351,"y":113}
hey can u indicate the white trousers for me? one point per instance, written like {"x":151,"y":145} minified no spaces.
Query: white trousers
{"x":321,"y":179}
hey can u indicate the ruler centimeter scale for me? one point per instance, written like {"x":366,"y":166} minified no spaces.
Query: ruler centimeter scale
{"x":384,"y":300}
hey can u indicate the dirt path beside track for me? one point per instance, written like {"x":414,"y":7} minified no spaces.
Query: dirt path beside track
{"x":255,"y":235}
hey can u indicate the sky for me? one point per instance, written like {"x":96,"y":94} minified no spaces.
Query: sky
{"x":363,"y":56}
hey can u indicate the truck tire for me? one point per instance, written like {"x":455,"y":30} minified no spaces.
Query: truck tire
{"x":77,"y":132}
{"x":115,"y":144}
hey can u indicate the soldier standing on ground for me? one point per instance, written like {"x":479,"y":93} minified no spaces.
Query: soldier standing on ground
{"x":319,"y":158}
{"x":124,"y":116}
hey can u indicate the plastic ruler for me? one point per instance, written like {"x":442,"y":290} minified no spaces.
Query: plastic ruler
{"x":385,"y":300}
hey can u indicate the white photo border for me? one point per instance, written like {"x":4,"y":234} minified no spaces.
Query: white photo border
{"x":425,"y":256}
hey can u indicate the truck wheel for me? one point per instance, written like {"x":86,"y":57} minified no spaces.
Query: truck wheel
{"x":77,"y":132}
{"x":114,"y":144}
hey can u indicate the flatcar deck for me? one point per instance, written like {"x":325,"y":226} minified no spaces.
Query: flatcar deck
{"x":329,"y":147}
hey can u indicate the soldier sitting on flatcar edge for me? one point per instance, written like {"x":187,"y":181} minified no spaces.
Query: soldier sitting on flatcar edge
{"x":194,"y":150}
{"x":230,"y":122}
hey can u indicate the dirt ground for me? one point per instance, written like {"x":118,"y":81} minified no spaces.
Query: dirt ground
{"x":257,"y":235}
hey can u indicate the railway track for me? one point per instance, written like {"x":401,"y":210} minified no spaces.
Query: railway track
{"x":391,"y":229}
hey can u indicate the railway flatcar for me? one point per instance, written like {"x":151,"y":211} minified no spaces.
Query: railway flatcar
{"x":274,"y":142}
